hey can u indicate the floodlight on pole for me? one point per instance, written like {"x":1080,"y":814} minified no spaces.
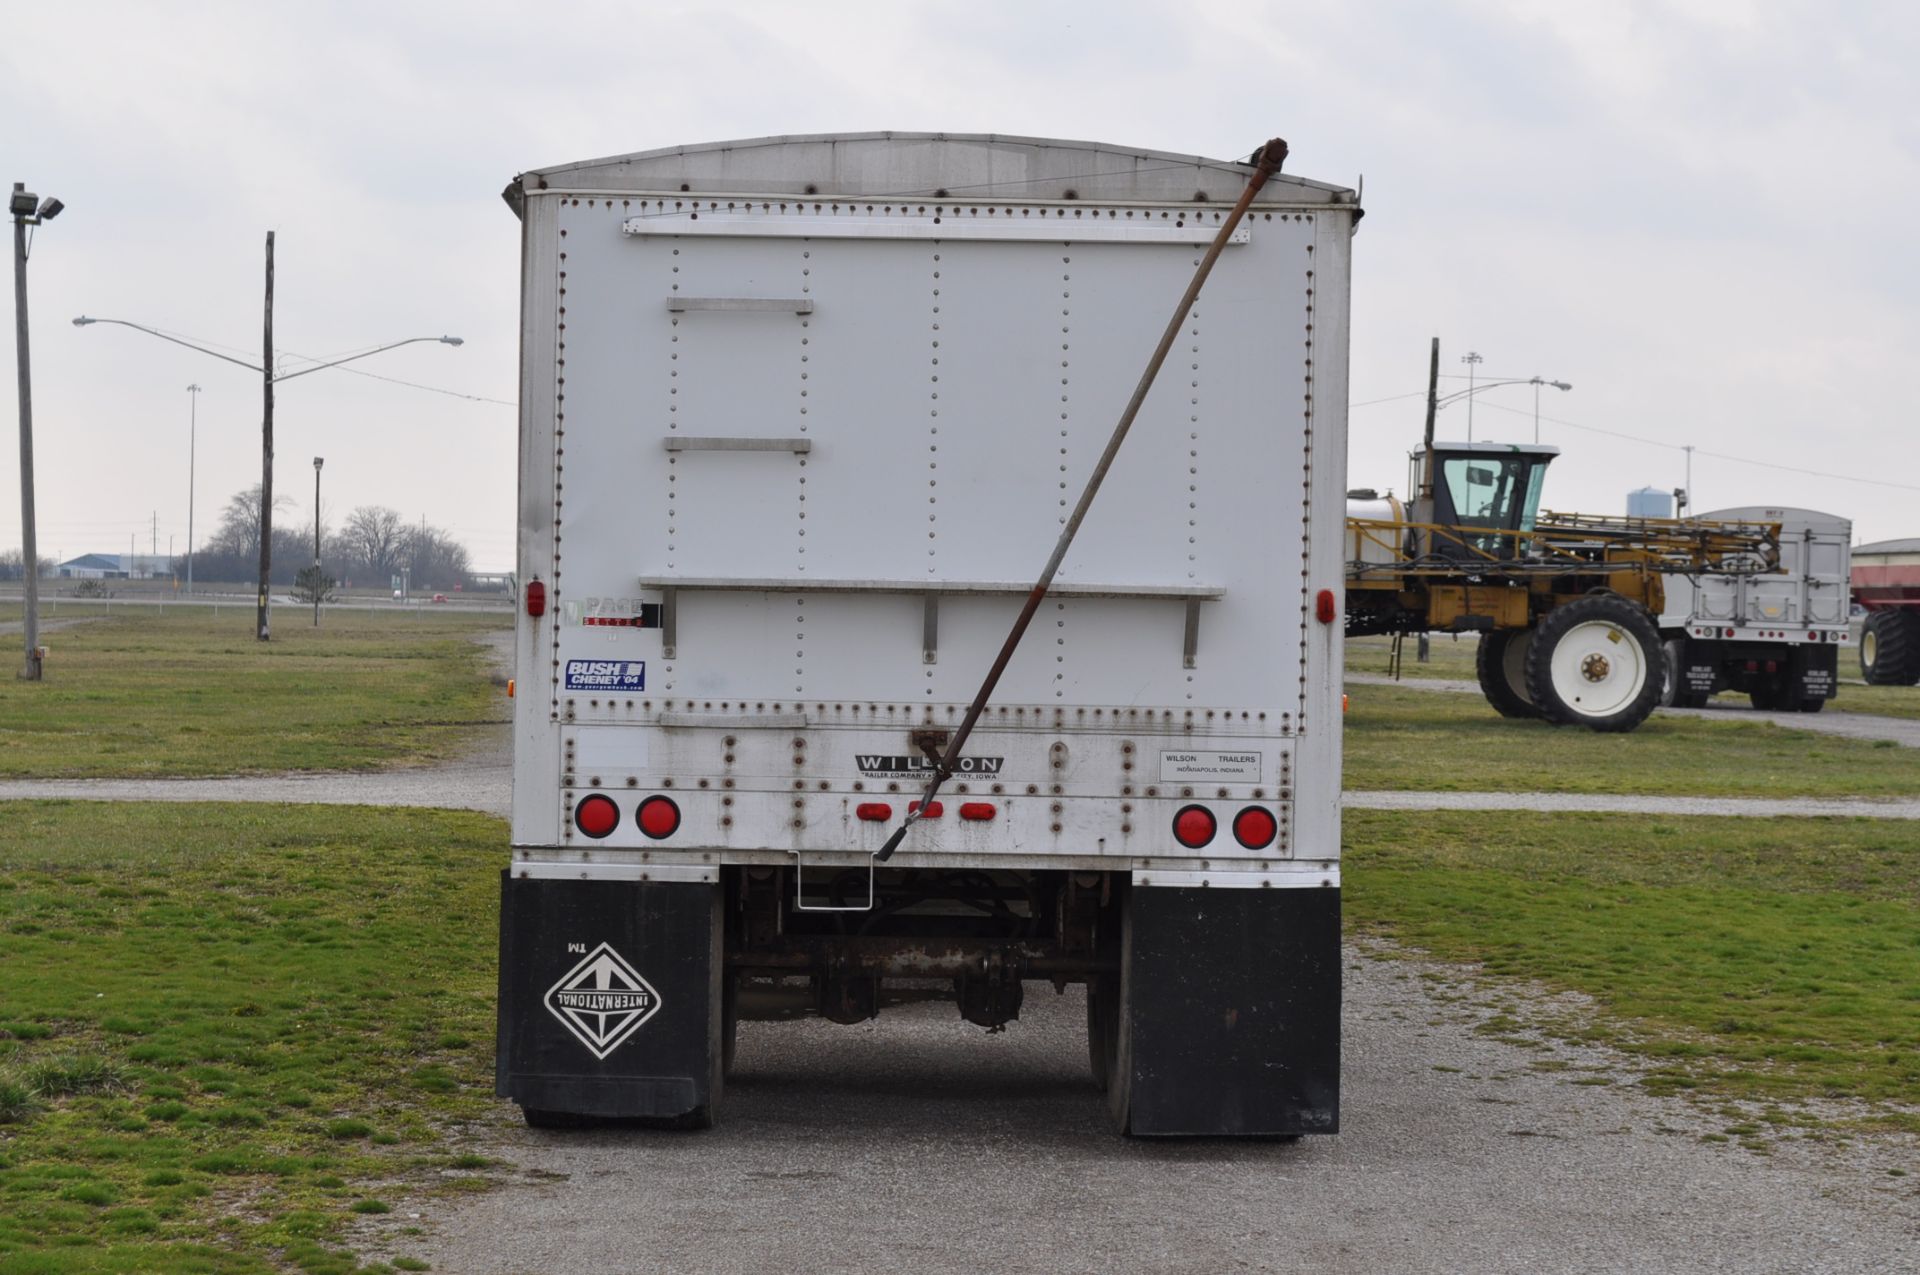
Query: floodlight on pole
{"x":27,"y":209}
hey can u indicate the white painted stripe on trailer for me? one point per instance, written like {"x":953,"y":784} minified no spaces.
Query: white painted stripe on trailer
{"x":577,"y":871}
{"x":1293,"y":876}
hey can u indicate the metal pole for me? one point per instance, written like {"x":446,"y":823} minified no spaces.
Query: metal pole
{"x":316,"y":542}
{"x":29,"y":550}
{"x":1473,"y":360}
{"x":1267,"y":161}
{"x":1691,"y":502}
{"x":266,"y":454}
{"x":193,"y":428}
{"x":1536,"y":409}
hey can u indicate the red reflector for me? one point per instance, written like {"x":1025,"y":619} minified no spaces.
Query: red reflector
{"x":1194,"y":826}
{"x":1255,"y":828}
{"x":596,"y":816}
{"x":934,"y":811}
{"x":1729,"y":632}
{"x":1813,"y":637}
{"x":536,"y":598}
{"x":978,"y":811}
{"x":658,"y":817}
{"x":1753,"y":666}
{"x":1323,"y":609}
{"x":874,"y":811}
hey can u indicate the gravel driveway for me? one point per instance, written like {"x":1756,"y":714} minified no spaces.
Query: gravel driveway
{"x":917,"y":1143}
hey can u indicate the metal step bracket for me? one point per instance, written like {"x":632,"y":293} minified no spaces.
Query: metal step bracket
{"x":799,"y":893}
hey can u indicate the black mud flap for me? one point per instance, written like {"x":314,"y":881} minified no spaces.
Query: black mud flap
{"x":1234,"y":999}
{"x":1815,"y":672}
{"x":609,"y":998}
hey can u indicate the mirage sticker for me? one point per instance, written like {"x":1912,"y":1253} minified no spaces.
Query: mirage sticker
{"x":606,"y":675}
{"x":602,"y":1001}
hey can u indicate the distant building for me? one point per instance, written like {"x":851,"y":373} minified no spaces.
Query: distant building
{"x":91,"y":566}
{"x":115,"y":566}
{"x":1650,"y":502}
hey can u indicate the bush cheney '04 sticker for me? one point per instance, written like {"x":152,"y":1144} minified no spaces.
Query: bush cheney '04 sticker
{"x":606,"y":675}
{"x":602,"y":1001}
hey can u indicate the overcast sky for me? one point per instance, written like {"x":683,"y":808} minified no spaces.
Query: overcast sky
{"x":1699,"y":212}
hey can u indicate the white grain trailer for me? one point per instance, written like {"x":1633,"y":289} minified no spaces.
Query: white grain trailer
{"x":1775,"y":635}
{"x":801,"y":418}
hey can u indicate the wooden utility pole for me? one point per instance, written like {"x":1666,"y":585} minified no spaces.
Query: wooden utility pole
{"x":266,"y":452}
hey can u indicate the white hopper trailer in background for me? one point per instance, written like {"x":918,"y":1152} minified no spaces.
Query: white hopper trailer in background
{"x":1773,"y":635}
{"x":801,"y":418}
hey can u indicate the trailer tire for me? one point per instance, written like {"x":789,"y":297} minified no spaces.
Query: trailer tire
{"x":1101,"y":993}
{"x":729,"y":1021}
{"x":1596,"y":662}
{"x":1673,"y":692}
{"x":1501,"y":663}
{"x":1890,"y":648}
{"x":1812,"y":705}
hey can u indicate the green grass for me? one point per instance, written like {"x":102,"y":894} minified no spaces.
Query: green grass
{"x":1452,"y":658}
{"x":227,"y":1030}
{"x":189,"y":692}
{"x":1777,"y":961}
{"x":1882,"y":701}
{"x":1398,"y":738}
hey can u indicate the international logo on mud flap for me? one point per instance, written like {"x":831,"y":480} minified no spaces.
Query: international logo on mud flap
{"x":602,"y":1001}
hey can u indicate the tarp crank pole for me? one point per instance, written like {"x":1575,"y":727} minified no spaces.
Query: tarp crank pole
{"x":1266,"y":162}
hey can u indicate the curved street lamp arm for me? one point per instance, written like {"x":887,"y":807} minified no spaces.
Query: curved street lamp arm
{"x":83,"y":321}
{"x":1457,"y":395}
{"x":321,"y":367}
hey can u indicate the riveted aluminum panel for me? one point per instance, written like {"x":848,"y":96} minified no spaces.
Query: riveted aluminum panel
{"x":953,"y":395}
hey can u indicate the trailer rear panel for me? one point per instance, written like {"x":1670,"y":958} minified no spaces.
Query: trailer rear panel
{"x":801,"y":419}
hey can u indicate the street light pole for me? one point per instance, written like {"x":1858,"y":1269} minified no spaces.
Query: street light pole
{"x":317,"y":462}
{"x":27,"y":210}
{"x":268,"y":380}
{"x":193,"y":429}
{"x":266,"y":453}
{"x":1473,"y":360}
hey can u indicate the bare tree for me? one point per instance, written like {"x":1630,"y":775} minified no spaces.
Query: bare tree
{"x":434,"y":559}
{"x":372,"y":538}
{"x":239,"y":531}
{"x":13,"y":565}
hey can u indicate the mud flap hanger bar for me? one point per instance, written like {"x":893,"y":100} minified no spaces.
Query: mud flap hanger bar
{"x":800,"y":903}
{"x":1266,"y":162}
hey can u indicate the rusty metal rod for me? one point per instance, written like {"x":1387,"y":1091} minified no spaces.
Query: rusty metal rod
{"x":1267,"y":162}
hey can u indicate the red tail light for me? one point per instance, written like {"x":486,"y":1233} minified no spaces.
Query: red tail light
{"x":934,"y":811}
{"x":658,"y":817}
{"x":596,"y":815}
{"x":1323,"y":610}
{"x":1255,"y":828}
{"x":977,"y":811}
{"x":1194,"y":826}
{"x":874,"y":811}
{"x":536,"y":594}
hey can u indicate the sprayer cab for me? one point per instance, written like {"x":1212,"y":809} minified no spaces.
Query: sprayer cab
{"x":1489,"y":487}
